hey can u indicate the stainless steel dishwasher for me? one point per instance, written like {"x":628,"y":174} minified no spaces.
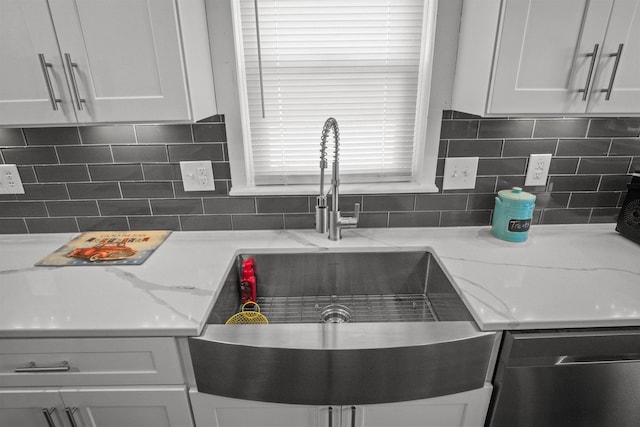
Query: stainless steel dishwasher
{"x":568,"y":378}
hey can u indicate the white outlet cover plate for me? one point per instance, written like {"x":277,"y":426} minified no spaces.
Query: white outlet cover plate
{"x":460,"y":172}
{"x":197,"y":176}
{"x":10,"y":182}
{"x":538,"y":170}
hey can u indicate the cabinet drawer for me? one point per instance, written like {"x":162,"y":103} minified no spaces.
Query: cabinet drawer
{"x":89,"y":361}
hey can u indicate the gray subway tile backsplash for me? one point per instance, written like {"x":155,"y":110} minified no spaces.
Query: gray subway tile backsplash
{"x":30,"y":155}
{"x":526,"y":147}
{"x":141,"y":154}
{"x":72,"y":208}
{"x":176,"y":207}
{"x":147,"y":189}
{"x":11,"y":137}
{"x":615,"y":127}
{"x":124,"y":207}
{"x":164,"y":134}
{"x":258,"y":222}
{"x":52,"y":225}
{"x":116,"y":172}
{"x":108,"y":135}
{"x":62,"y":173}
{"x":52,"y":136}
{"x":95,"y":191}
{"x":583,"y":147}
{"x":499,"y":128}
{"x":85,"y":154}
{"x":128,"y":177}
{"x":604,"y":165}
{"x":625,"y":147}
{"x":199,"y":151}
{"x":44,"y":192}
{"x":563,"y":128}
{"x":299,"y":204}
{"x":205,"y":222}
{"x":475,"y":147}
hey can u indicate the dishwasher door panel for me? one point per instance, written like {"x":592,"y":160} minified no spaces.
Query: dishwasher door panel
{"x":565,"y":379}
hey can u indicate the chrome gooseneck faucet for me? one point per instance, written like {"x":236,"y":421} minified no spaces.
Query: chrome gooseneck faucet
{"x":325,"y":220}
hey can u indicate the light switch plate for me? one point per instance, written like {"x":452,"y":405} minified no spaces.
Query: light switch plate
{"x":197,"y":176}
{"x":10,"y":182}
{"x":538,"y":170}
{"x":460,"y":172}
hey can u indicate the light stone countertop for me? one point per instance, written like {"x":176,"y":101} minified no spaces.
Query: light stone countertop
{"x":565,"y":276}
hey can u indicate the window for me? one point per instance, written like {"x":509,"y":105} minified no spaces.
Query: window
{"x":369,"y":64}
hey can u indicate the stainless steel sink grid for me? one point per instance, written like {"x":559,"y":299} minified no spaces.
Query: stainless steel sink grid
{"x":346,"y":327}
{"x":361,"y":308}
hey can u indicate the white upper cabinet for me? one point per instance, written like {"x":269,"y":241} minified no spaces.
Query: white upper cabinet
{"x":549,"y":57}
{"x":100,"y":61}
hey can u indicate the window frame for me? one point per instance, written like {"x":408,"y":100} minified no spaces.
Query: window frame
{"x":437,"y":90}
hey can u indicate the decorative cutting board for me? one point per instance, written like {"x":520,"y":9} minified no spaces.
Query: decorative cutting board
{"x":107,"y":248}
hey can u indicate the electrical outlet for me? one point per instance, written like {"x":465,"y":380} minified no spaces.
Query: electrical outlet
{"x":460,"y":172}
{"x":10,"y":182}
{"x":538,"y":169}
{"x":197,"y":176}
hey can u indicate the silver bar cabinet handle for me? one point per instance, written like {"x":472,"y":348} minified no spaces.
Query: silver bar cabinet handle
{"x":72,"y":419}
{"x":593,"y":56}
{"x":47,"y":416}
{"x":330,"y":416}
{"x":353,"y":416}
{"x":47,"y":80}
{"x":618,"y":54}
{"x":74,"y":83}
{"x":32,"y":367}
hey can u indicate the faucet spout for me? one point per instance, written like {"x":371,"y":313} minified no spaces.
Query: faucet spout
{"x":325,"y":220}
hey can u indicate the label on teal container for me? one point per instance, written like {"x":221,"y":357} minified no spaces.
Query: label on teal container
{"x":519,"y":225}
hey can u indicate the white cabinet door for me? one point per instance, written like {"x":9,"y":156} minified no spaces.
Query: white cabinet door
{"x":623,"y":34}
{"x":127,"y":57}
{"x":27,"y":89}
{"x":26,"y":408}
{"x":468,"y":409}
{"x":139,"y":407}
{"x":216,"y":411}
{"x":549,"y":57}
{"x":543,"y":55}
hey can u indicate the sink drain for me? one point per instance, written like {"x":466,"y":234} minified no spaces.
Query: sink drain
{"x":336,"y":313}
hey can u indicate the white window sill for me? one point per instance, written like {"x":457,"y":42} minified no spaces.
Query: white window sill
{"x":382,"y":188}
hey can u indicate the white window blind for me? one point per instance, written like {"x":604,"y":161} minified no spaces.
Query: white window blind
{"x":357,"y":61}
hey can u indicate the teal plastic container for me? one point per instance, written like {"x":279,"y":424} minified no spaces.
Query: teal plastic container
{"x":513,"y":214}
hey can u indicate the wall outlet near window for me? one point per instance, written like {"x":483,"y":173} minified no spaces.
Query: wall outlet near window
{"x":460,"y":172}
{"x":538,"y":169}
{"x":197,"y":176}
{"x":10,"y":182}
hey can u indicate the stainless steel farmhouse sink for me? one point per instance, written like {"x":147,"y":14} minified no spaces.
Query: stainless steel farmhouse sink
{"x":346,"y":326}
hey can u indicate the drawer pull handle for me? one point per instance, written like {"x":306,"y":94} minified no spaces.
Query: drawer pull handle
{"x":32,"y":367}
{"x":72,"y":419}
{"x":353,"y":416}
{"x":47,"y":416}
{"x":330,"y":416}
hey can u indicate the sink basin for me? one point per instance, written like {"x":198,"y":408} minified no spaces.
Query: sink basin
{"x":346,"y":326}
{"x":371,"y":286}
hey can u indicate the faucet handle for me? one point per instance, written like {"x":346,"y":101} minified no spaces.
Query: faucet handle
{"x":352,"y":221}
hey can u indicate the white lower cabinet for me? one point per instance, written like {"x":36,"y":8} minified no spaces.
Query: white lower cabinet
{"x":92,"y":382}
{"x":467,"y":409}
{"x":95,"y":407}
